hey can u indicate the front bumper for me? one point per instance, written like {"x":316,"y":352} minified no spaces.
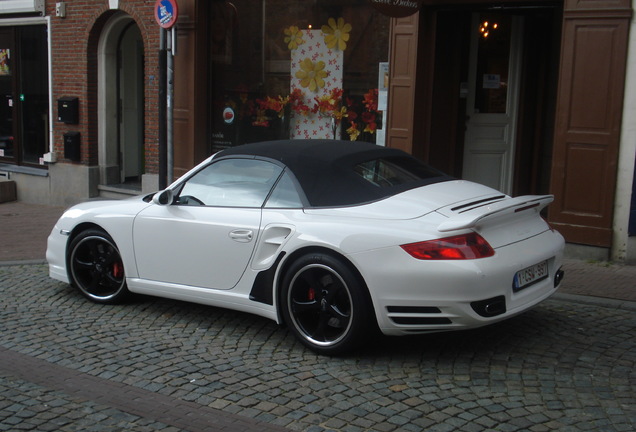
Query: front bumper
{"x":413,"y":296}
{"x":56,"y":254}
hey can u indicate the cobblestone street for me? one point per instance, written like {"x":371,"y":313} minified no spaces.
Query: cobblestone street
{"x":67,"y":364}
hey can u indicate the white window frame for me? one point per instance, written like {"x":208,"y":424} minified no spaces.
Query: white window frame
{"x":21,"y":6}
{"x":11,"y":22}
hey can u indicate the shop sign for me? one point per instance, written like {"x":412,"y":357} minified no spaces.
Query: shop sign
{"x":396,"y":8}
{"x":166,"y":13}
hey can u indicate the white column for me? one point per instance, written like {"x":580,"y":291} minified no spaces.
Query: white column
{"x":624,"y":247}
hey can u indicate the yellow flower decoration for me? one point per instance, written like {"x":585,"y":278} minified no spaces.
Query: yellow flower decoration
{"x":311,"y":74}
{"x":294,"y":37}
{"x":341,"y":113}
{"x":353,"y":132}
{"x":337,"y":33}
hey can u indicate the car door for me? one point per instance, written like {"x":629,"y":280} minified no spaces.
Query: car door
{"x":206,"y":236}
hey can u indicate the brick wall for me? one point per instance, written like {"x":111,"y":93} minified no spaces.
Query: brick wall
{"x":74,"y":41}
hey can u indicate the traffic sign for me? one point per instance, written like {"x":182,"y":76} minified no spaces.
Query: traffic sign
{"x":166,"y":13}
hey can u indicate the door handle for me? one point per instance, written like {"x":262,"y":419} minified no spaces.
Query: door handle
{"x":242,"y":235}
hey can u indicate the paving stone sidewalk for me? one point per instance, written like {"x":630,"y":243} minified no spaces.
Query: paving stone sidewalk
{"x":24,"y":229}
{"x":67,"y":364}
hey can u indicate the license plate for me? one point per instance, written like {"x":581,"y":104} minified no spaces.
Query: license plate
{"x":530,"y":275}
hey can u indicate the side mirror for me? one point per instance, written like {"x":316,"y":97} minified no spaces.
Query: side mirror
{"x":163,"y":197}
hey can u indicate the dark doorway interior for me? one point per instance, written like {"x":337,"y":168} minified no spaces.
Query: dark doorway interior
{"x":536,"y":100}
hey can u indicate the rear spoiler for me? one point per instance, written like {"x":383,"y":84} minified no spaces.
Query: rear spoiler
{"x":471,"y":217}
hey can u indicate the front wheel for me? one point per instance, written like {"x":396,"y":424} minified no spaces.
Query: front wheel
{"x":325,"y":304}
{"x":96,"y":268}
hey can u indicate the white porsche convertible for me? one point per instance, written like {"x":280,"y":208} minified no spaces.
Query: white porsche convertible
{"x":332,"y":238}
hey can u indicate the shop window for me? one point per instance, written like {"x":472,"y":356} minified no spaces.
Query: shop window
{"x":297,"y":69}
{"x":24,"y":92}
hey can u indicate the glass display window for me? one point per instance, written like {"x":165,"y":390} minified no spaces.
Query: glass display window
{"x":24,"y":90}
{"x":294,"y":69}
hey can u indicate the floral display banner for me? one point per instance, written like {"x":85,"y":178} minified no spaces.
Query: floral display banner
{"x":5,"y":56}
{"x":316,"y":71}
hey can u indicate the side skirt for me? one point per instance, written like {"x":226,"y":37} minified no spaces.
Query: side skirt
{"x":218,"y":298}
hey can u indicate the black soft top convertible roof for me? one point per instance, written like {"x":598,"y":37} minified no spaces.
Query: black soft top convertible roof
{"x":326,"y":171}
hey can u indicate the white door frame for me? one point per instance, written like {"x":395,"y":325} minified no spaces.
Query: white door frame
{"x":489,"y":146}
{"x":107,"y":98}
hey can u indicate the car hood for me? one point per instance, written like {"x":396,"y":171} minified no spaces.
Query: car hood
{"x":416,"y":202}
{"x":124,"y":207}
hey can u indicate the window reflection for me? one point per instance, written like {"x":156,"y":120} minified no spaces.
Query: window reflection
{"x":231,"y":183}
{"x":265,"y":54}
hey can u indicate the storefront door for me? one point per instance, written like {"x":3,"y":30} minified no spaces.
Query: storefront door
{"x":24,"y":106}
{"x":493,"y":93}
{"x":131,"y":105}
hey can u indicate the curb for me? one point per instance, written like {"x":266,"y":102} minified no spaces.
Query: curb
{"x":596,"y":301}
{"x":22,"y":262}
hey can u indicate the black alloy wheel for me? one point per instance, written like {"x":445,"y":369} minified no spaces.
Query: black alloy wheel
{"x":96,"y":268}
{"x":325,"y":304}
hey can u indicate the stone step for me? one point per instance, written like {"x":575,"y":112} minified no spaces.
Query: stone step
{"x":8,"y":191}
{"x":115,"y":192}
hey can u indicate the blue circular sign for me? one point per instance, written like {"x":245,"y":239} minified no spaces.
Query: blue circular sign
{"x":166,"y":13}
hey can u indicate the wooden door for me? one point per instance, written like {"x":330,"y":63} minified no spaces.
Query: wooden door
{"x":588,"y":120}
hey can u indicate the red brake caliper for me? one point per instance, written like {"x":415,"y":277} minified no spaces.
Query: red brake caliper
{"x":118,"y":270}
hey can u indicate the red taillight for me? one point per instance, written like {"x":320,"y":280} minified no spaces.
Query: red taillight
{"x":461,"y":247}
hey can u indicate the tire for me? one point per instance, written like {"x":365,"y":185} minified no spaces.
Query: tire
{"x":325,"y":304}
{"x":96,"y":268}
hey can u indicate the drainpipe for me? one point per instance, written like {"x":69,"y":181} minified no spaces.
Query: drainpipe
{"x":50,"y":157}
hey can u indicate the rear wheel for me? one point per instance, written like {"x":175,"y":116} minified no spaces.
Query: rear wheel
{"x":325,"y":304}
{"x":96,"y":268}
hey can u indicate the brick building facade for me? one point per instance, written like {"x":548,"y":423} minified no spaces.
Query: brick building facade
{"x":84,"y":57}
{"x":571,"y":113}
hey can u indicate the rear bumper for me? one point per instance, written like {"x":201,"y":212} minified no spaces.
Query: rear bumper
{"x":412,"y":296}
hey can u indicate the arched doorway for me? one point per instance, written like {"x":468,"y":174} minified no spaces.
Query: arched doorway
{"x":120,"y":62}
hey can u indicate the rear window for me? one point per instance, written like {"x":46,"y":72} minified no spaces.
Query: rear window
{"x":397,"y":171}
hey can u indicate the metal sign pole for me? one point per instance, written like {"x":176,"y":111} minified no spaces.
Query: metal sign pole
{"x":166,"y":14}
{"x":163,"y":123}
{"x":170,"y":106}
